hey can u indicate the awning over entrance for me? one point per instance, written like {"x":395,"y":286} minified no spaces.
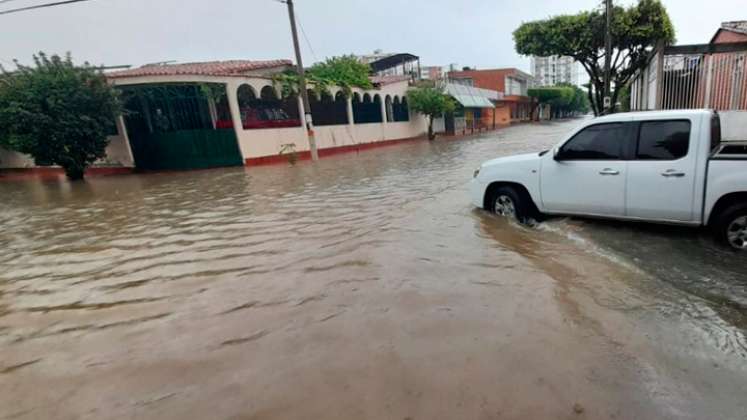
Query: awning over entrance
{"x":180,"y":126}
{"x":472,"y":97}
{"x":473,"y":102}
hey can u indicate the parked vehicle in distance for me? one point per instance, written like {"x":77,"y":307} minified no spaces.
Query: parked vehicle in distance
{"x":660,"y":166}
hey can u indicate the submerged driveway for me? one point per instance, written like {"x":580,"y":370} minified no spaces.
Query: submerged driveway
{"x":362,"y":287}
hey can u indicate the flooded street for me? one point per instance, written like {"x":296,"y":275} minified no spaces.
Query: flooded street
{"x":364,"y":287}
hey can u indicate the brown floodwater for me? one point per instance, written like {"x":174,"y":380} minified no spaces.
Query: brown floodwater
{"x":362,"y":287}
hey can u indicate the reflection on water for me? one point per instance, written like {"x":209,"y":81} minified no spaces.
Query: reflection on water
{"x":686,"y":258}
{"x":116,"y":259}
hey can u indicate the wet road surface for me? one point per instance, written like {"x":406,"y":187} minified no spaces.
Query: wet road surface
{"x":364,"y":287}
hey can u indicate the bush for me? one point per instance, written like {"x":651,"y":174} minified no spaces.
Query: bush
{"x":57,"y":112}
{"x":431,"y":102}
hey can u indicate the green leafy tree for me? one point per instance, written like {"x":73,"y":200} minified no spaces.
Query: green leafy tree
{"x":344,"y":71}
{"x":553,"y":94}
{"x":625,"y":98}
{"x":430,"y":101}
{"x":564,"y":99}
{"x":556,"y":97}
{"x":57,"y":112}
{"x":580,"y":103}
{"x":635,"y":31}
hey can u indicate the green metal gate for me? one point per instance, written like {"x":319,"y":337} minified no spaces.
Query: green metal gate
{"x":180,"y":126}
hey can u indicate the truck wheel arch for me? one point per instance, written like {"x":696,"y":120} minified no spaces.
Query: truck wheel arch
{"x":725,"y":202}
{"x":520,"y":189}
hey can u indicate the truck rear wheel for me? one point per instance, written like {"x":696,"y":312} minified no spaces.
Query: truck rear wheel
{"x":731,"y":227}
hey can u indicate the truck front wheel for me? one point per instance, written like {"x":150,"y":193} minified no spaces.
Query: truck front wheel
{"x":507,"y":202}
{"x":731,"y":227}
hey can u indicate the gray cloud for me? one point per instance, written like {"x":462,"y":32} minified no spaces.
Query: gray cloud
{"x":467,"y":32}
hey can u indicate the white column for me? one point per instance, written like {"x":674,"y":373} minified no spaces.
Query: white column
{"x":122,"y":129}
{"x":349,"y":102}
{"x":659,"y":87}
{"x":709,"y":81}
{"x":382,"y":109}
{"x":233,"y":105}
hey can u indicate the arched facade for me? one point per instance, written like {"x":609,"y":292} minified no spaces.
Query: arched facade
{"x":400,"y":111}
{"x":329,"y":110}
{"x":367,"y":110}
{"x":268,"y":110}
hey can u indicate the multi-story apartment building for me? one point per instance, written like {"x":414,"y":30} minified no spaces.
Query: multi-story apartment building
{"x":549,"y":71}
{"x":436,"y":72}
{"x":432,"y":72}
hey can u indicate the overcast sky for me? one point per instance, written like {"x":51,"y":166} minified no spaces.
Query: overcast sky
{"x":467,"y":32}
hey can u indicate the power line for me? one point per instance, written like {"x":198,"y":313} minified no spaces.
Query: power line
{"x":306,"y":38}
{"x":38,"y":6}
{"x":298,"y":19}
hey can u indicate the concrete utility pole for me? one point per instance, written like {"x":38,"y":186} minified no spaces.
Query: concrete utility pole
{"x":302,"y":84}
{"x":607,"y":58}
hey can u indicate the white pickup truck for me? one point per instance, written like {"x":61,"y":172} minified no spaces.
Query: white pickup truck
{"x":661,"y":166}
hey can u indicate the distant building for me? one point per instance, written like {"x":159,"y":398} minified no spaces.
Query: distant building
{"x":392,"y":64}
{"x":731,"y":32}
{"x":477,"y":109}
{"x":433,"y":72}
{"x":513,"y":83}
{"x":549,"y":71}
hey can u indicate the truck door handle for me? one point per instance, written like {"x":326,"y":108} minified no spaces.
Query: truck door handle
{"x":672,"y":173}
{"x":609,"y":171}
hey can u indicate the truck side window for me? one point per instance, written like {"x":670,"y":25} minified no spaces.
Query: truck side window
{"x":596,"y":142}
{"x":663,"y":140}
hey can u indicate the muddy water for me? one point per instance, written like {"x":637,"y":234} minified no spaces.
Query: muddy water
{"x":364,"y":287}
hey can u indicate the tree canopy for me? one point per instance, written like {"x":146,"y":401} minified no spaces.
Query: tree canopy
{"x":635,"y":31}
{"x":57,"y":112}
{"x":431,"y":101}
{"x":555,"y":95}
{"x":563,"y":98}
{"x":344,"y":71}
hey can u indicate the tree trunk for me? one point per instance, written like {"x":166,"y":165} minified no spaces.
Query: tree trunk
{"x":431,"y":134}
{"x":615,"y":96}
{"x":74,"y":173}
{"x":592,"y":101}
{"x":600,"y":100}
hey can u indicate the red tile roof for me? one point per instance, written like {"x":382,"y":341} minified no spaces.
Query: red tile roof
{"x":212,"y":68}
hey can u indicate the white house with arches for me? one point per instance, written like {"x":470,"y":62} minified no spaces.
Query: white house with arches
{"x":198,"y":115}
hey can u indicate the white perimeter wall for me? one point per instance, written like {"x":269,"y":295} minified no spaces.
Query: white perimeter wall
{"x":256,"y":143}
{"x":117,"y":153}
{"x":263,"y":142}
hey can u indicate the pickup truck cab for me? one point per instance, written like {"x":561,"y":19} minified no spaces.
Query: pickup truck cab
{"x":661,"y":166}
